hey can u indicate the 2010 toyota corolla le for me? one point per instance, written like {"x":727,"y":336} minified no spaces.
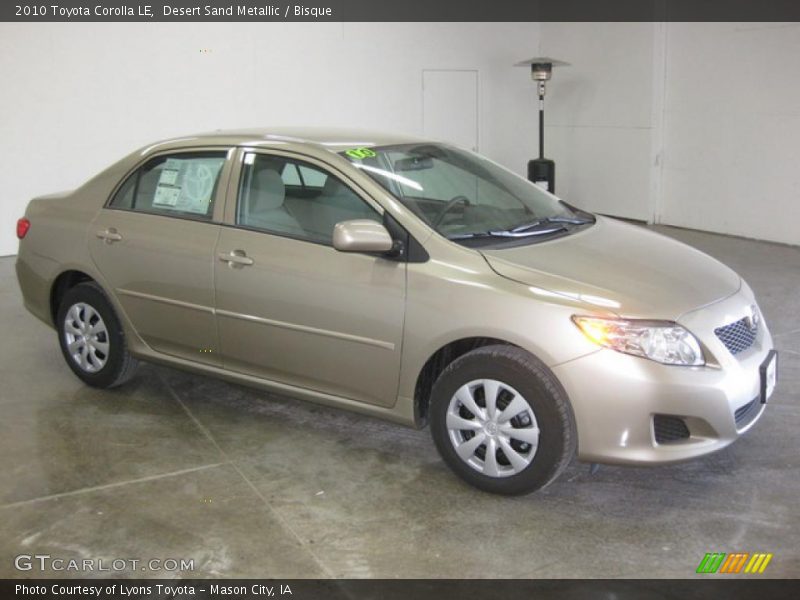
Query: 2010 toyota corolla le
{"x":405,"y":279}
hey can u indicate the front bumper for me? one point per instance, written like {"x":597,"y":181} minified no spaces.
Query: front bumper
{"x":617,"y":397}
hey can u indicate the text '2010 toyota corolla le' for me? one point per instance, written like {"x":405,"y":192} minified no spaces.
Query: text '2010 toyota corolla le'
{"x":405,"y":279}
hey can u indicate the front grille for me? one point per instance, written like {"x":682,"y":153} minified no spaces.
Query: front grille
{"x":669,"y":429}
{"x":737,"y":336}
{"x":744,"y":415}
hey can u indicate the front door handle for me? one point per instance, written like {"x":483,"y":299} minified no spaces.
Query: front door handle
{"x":109,"y":236}
{"x":236,"y":258}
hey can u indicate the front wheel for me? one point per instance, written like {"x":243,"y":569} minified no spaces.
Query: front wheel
{"x":92,"y":339}
{"x":502,"y":421}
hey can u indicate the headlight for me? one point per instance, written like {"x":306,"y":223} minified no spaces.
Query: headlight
{"x":661,"y":341}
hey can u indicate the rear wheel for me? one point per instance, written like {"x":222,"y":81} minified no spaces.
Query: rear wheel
{"x":91,"y":338}
{"x":501,"y":421}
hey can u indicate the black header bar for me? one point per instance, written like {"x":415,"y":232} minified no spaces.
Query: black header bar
{"x":399,"y":10}
{"x":731,"y":588}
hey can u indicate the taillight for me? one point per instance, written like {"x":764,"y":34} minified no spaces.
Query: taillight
{"x":23,"y":225}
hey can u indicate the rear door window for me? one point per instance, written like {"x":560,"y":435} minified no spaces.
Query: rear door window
{"x":181,"y":185}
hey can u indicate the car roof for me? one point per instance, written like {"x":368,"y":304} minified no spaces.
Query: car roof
{"x":331,"y":139}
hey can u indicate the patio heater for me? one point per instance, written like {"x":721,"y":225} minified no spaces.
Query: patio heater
{"x":542,"y":171}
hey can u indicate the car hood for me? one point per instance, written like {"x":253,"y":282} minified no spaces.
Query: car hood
{"x":621,"y":268}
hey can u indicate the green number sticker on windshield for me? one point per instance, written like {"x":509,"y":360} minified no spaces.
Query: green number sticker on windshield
{"x":361,"y":153}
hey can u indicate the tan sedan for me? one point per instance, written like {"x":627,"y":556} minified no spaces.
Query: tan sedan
{"x":406,"y":279}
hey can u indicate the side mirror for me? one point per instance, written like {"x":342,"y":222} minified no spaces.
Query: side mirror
{"x":361,"y":235}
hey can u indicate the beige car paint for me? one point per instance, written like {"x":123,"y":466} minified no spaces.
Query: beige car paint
{"x":357,"y":330}
{"x":361,"y":235}
{"x":644,"y":267}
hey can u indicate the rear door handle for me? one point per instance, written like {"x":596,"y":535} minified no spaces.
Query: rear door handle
{"x":109,"y":236}
{"x":236,"y":258}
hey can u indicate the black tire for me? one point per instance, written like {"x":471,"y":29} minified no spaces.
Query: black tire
{"x":119,"y":366}
{"x":540,"y":390}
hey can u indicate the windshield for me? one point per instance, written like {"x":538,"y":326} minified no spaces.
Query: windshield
{"x":462,"y":195}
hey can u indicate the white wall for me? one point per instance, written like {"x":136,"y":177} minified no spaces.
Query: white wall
{"x":78,"y":96}
{"x":688,"y":124}
{"x":732,"y":129}
{"x":598,"y":114}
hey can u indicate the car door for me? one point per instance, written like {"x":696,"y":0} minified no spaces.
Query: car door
{"x":291,"y":308}
{"x":154,"y":245}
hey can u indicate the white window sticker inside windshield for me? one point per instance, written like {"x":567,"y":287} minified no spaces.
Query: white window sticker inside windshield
{"x":187,"y":185}
{"x":168,"y":177}
{"x":166,"y":196}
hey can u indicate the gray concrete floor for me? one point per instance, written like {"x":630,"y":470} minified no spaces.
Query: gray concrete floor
{"x":251,"y":485}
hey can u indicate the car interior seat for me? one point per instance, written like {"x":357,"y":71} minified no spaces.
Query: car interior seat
{"x":264,"y":207}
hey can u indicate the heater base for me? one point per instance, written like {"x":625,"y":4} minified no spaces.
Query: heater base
{"x":542,"y":172}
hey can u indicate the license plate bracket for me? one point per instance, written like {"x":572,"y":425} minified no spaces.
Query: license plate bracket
{"x":769,"y":375}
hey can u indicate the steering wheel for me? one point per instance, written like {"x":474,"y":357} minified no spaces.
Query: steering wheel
{"x":447,"y":208}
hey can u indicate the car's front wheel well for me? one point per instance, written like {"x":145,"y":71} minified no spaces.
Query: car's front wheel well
{"x":437,"y":363}
{"x":63,"y":283}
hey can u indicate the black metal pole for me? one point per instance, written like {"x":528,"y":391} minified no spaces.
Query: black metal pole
{"x":542,"y":171}
{"x":541,"y":125}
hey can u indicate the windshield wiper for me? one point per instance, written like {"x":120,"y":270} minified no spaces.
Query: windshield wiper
{"x":549,"y":221}
{"x":527,"y":232}
{"x":477,"y":234}
{"x":553,"y":225}
{"x":505,"y":233}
